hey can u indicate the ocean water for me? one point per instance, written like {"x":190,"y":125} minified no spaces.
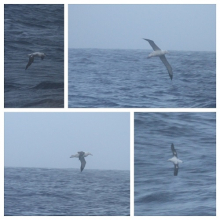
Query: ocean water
{"x":127,"y":79}
{"x":66,"y":192}
{"x":157,"y":192}
{"x":27,"y":29}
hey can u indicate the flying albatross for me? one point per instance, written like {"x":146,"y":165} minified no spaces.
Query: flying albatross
{"x":160,"y":53}
{"x":81,"y":155}
{"x":175,"y":160}
{"x":31,"y":57}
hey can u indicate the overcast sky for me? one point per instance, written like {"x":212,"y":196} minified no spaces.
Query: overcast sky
{"x":49,"y":139}
{"x":172,"y":27}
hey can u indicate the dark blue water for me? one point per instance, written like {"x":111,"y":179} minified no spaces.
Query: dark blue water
{"x":28,"y":29}
{"x":66,"y":192}
{"x":157,"y":191}
{"x":126,"y":78}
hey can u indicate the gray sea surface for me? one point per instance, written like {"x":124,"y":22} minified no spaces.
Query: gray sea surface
{"x":66,"y":192}
{"x":111,"y":78}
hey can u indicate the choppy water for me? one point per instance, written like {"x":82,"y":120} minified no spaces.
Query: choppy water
{"x":66,"y":192}
{"x":126,"y":78}
{"x":27,"y":29}
{"x":157,"y":191}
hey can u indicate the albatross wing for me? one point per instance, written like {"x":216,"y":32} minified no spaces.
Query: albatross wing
{"x":31,"y":60}
{"x":169,"y":68}
{"x":83,"y":163}
{"x":173,"y":150}
{"x":176,"y":167}
{"x":153,"y":45}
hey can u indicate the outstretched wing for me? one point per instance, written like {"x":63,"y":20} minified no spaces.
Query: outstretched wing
{"x":153,"y":45}
{"x":173,"y":150}
{"x":74,"y":155}
{"x":83,"y":163}
{"x":176,"y":167}
{"x":31,"y":60}
{"x":169,"y":68}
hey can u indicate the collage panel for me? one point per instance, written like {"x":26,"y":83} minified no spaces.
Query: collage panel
{"x":33,"y":56}
{"x":120,"y":56}
{"x":67,"y":164}
{"x":175,"y":164}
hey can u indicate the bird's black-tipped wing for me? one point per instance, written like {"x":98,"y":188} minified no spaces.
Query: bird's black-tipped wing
{"x":83,"y":163}
{"x":153,"y":45}
{"x":81,"y":153}
{"x":31,"y":60}
{"x":176,"y":167}
{"x":173,"y":150}
{"x":82,"y":160}
{"x":167,"y":65}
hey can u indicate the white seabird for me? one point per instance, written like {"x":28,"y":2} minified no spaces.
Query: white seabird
{"x":31,"y":57}
{"x":175,"y":160}
{"x":81,"y":155}
{"x":160,"y":53}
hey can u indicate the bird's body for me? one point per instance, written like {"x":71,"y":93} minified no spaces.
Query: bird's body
{"x":77,"y":155}
{"x":157,"y":53}
{"x":160,"y":53}
{"x":175,"y":160}
{"x":31,"y":58}
{"x":81,"y":155}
